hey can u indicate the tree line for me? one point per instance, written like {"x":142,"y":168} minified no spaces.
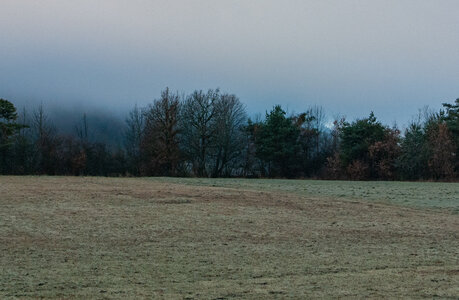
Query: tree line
{"x":208,"y":134}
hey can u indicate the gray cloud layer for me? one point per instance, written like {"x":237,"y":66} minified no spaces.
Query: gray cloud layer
{"x":390,"y":56}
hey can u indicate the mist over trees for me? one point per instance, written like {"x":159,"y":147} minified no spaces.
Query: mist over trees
{"x":208,"y":134}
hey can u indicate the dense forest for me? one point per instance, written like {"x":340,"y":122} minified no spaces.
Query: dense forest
{"x":208,"y":134}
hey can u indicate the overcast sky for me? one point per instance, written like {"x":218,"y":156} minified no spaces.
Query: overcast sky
{"x":351,"y":57}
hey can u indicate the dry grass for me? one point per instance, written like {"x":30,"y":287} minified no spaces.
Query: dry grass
{"x":67,"y":237}
{"x":443,"y":195}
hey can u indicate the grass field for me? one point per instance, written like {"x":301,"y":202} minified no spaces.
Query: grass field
{"x":71,"y":237}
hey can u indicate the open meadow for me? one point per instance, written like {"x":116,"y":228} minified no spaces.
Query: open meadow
{"x":173,"y":238}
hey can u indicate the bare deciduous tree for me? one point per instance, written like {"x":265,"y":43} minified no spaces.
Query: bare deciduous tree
{"x":45,"y":141}
{"x":133,"y":137}
{"x":160,"y":142}
{"x":230,"y":117}
{"x":198,"y":124}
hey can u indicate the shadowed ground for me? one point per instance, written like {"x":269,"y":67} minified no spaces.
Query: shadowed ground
{"x":70,"y":237}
